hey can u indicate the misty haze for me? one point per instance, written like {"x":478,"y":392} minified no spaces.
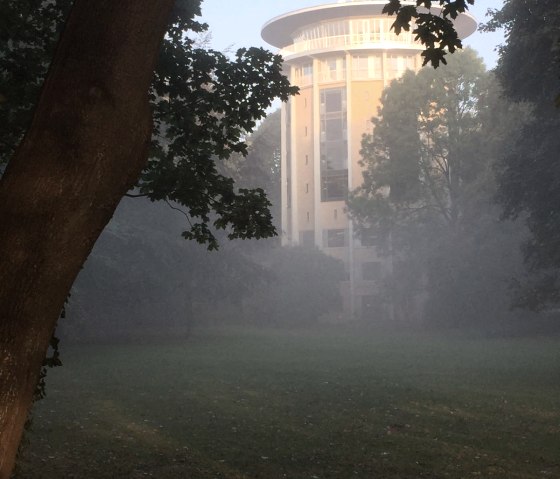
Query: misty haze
{"x":331,"y":258}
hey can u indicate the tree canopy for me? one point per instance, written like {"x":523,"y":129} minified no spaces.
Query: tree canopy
{"x":204,"y":102}
{"x":529,"y":71}
{"x":434,"y":29}
{"x":427,"y":195}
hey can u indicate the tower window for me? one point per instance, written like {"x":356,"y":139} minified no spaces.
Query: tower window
{"x":334,"y":186}
{"x":333,"y":69}
{"x":360,"y":67}
{"x":334,"y":146}
{"x":335,"y":238}
{"x":304,"y":74}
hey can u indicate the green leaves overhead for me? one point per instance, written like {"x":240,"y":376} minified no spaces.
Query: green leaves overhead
{"x":204,"y":105}
{"x":427,"y":196}
{"x":434,"y":30}
{"x":28,"y":33}
{"x":529,"y":181}
{"x":423,"y":150}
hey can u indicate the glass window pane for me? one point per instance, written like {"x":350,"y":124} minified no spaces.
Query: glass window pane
{"x":334,"y":129}
{"x":333,"y":100}
{"x":334,"y":186}
{"x":334,"y":156}
{"x":335,"y":238}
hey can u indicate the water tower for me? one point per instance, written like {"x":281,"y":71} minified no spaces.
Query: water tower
{"x":341,"y":56}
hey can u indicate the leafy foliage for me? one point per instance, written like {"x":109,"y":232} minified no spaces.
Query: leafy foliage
{"x":261,"y":165}
{"x":427,"y":196}
{"x":435,"y":31}
{"x":141,"y":280}
{"x":529,"y":70}
{"x":230,"y":95}
{"x":28,"y":32}
{"x":417,"y":163}
{"x":204,"y":105}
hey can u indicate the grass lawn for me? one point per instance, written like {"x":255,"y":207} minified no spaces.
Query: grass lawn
{"x":338,"y":402}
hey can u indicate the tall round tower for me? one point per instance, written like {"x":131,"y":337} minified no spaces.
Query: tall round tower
{"x":341,"y":56}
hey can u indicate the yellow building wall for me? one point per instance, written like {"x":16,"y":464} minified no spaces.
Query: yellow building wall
{"x":364,"y":103}
{"x":332,"y":215}
{"x":303,"y":104}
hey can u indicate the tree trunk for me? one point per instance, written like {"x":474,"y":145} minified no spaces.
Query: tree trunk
{"x":86,"y":146}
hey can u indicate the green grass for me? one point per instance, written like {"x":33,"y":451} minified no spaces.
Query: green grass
{"x":340,"y":402}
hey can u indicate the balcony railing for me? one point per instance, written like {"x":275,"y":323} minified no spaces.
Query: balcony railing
{"x":349,"y":41}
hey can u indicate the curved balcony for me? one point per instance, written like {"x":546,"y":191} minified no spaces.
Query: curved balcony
{"x":356,"y":41}
{"x":283,"y":31}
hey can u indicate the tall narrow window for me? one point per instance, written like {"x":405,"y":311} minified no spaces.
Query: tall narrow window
{"x":360,"y":66}
{"x":376,"y":66}
{"x":304,"y":74}
{"x":334,"y":145}
{"x":335,"y":238}
{"x":398,"y":64}
{"x":367,"y":67}
{"x":333,"y":69}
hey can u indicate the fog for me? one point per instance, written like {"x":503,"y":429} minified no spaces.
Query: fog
{"x":244,"y":362}
{"x":402,"y":322}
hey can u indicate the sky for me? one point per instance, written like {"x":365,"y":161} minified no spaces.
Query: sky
{"x":237,"y":23}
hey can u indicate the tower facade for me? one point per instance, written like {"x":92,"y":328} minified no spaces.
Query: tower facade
{"x":341,"y":56}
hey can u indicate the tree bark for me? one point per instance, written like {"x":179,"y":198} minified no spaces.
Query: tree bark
{"x":86,"y":146}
